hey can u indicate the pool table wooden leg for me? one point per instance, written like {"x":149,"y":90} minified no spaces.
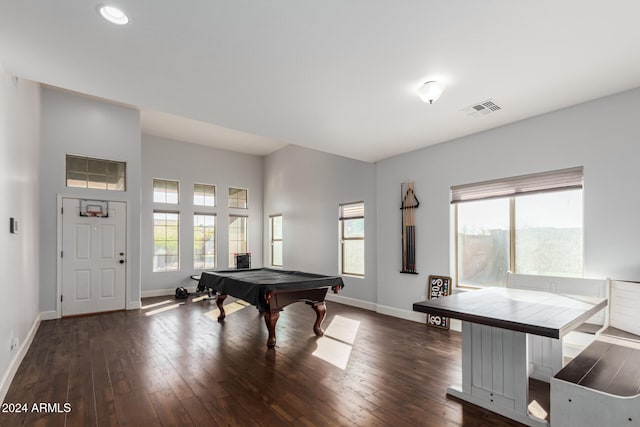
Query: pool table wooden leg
{"x":321,"y":310}
{"x":270,"y":318}
{"x":219,"y":301}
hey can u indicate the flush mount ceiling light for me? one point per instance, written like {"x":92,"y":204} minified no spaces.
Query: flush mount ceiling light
{"x":430,"y":91}
{"x":113,"y":14}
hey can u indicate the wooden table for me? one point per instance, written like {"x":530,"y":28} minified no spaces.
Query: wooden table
{"x":495,"y":324}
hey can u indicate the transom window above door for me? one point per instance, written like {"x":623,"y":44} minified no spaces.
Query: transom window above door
{"x":100,"y":174}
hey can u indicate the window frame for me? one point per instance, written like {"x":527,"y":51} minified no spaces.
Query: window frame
{"x":215,"y":238}
{"x":553,"y":181}
{"x":457,"y":247}
{"x":231,"y":260}
{"x":342,"y":220}
{"x":246,"y":199}
{"x":274,"y":239}
{"x":215,"y":190}
{"x":165,"y":181}
{"x":119,"y":165}
{"x":154,"y":255}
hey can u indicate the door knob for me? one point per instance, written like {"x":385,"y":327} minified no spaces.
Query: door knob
{"x":121,"y":261}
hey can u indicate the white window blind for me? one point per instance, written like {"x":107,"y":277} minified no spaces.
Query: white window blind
{"x":563,"y":179}
{"x":352,"y":211}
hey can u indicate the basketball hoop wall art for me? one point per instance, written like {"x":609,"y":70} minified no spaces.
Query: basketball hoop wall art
{"x":94,"y":208}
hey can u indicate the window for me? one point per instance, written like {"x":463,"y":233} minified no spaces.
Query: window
{"x":165,"y":241}
{"x":204,"y":241}
{"x":237,"y":237}
{"x":526,"y":230}
{"x":276,"y":240}
{"x":237,"y":198}
{"x":483,"y":242}
{"x":204,"y":195}
{"x":86,"y":172}
{"x":165,"y":191}
{"x":352,"y":238}
{"x":548,"y":229}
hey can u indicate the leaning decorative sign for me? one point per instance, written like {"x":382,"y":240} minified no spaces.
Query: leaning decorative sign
{"x":439,"y":286}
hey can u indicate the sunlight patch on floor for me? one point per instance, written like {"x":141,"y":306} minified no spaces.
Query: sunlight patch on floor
{"x":157,"y":304}
{"x":160,"y":310}
{"x":228,"y":309}
{"x":336,"y":344}
{"x":335,"y":352}
{"x":343,"y":329}
{"x":536,"y":410}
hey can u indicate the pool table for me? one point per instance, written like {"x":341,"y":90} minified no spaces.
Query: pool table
{"x":271,"y":290}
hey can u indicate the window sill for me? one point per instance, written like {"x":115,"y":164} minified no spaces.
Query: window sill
{"x":476,"y":287}
{"x":355,"y":276}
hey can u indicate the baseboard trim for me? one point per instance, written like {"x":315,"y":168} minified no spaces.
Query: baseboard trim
{"x":157,"y":293}
{"x":351,"y":301}
{"x":133,"y":305}
{"x":48,"y":315}
{"x":17,"y":359}
{"x":414,"y":316}
{"x":164,"y":292}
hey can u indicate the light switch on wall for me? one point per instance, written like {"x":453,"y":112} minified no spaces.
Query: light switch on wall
{"x":13,"y":225}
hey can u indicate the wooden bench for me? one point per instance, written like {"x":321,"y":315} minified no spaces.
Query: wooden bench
{"x":599,"y":387}
{"x":546,"y":356}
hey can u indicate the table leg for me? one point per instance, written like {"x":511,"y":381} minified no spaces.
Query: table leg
{"x":494,"y":372}
{"x":321,"y":310}
{"x":270,"y":318}
{"x":219,"y":300}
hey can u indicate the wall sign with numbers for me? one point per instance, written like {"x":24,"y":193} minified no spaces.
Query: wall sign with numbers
{"x":439,"y":286}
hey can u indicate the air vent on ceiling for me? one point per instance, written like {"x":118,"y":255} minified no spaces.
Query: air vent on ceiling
{"x":481,"y":108}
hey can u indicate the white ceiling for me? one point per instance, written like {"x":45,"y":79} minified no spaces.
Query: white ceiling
{"x":336,"y":76}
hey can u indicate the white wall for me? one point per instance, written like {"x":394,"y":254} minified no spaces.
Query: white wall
{"x":602,"y":135}
{"x":306,"y":187}
{"x":189,"y":164}
{"x":76,"y":124}
{"x":19,"y":154}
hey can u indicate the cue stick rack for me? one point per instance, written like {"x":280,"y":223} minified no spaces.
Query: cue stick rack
{"x":409,"y":204}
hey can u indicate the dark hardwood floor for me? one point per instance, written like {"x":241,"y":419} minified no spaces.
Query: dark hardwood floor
{"x":181,"y":368}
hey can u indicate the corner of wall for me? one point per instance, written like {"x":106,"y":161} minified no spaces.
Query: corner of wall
{"x":5,"y":382}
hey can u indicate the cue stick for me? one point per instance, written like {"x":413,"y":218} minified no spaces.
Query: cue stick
{"x":411,"y":227}
{"x":409,"y":243}
{"x":412,"y":258}
{"x":415,"y":205}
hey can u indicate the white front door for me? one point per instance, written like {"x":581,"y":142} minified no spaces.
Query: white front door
{"x":93,"y":259}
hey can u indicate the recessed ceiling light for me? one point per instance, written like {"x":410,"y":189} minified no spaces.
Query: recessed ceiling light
{"x":113,"y":14}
